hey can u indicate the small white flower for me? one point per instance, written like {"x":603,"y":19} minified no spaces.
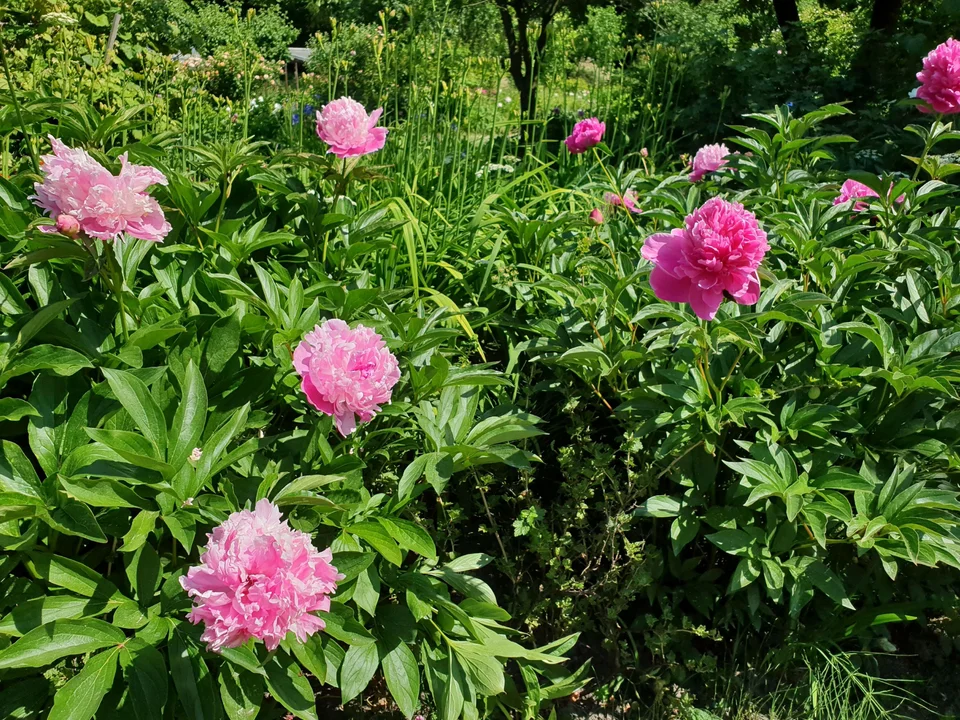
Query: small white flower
{"x":277,"y":107}
{"x":311,"y":191}
{"x":913,"y":93}
{"x":508,"y":99}
{"x":499,"y":104}
{"x":196,"y":455}
{"x":260,"y":99}
{"x":187,"y":503}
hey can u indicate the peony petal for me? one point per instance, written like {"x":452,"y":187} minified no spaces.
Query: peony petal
{"x":705,"y":303}
{"x":669,"y":288}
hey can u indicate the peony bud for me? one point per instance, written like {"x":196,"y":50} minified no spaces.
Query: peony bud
{"x":596,"y":217}
{"x":68,"y":225}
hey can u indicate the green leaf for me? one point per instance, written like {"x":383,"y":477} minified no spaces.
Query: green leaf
{"x":72,"y":575}
{"x":16,"y":472}
{"x":140,"y":529}
{"x":24,"y":698}
{"x":80,"y":698}
{"x":659,"y":506}
{"x":288,"y":685}
{"x":410,"y":536}
{"x":62,"y":361}
{"x":734,"y":542}
{"x":138,"y":401}
{"x":191,"y":678}
{"x":380,"y":540}
{"x":350,"y":564}
{"x":47,"y":644}
{"x":825,"y":580}
{"x":147,"y":680}
{"x":359,"y":665}
{"x":402,"y":674}
{"x":242,"y":693}
{"x":483,"y":669}
{"x":467,"y":563}
{"x":143,"y":572}
{"x":310,"y":655}
{"x":102,"y":492}
{"x":132,"y":447}
{"x":75,"y":518}
{"x":190,"y":418}
{"x":345,"y":629}
{"x":13,"y":409}
{"x":39,"y":611}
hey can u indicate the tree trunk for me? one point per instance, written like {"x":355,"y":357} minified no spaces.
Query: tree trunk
{"x":524,"y":62}
{"x":788,"y":18}
{"x":885,"y":15}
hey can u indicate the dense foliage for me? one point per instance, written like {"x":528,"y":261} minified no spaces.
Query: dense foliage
{"x":580,"y":494}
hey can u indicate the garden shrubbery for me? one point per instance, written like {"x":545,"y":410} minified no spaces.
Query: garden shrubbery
{"x":372,"y":413}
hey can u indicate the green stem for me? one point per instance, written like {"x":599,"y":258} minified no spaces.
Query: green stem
{"x":16,"y":107}
{"x":927,"y":144}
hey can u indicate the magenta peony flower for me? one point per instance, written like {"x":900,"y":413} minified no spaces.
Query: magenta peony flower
{"x":851,"y":190}
{"x":345,"y":126}
{"x":259,"y":578}
{"x":596,"y":217}
{"x":708,"y":159}
{"x":628,"y":201}
{"x":585,"y":135}
{"x":716,"y":254}
{"x":940,"y":79}
{"x":346,"y":373}
{"x":104,"y":205}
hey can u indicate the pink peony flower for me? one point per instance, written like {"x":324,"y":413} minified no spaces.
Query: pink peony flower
{"x":104,"y":205}
{"x":708,"y":159}
{"x":940,"y":79}
{"x":716,"y":254}
{"x":851,"y":190}
{"x":596,"y":217}
{"x":259,"y":578}
{"x":345,"y":126}
{"x":346,"y":373}
{"x":628,"y":200}
{"x":585,"y":135}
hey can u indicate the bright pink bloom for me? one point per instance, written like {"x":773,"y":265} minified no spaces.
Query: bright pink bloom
{"x":716,"y":254}
{"x":259,"y":578}
{"x":940,"y":79}
{"x":346,"y":373}
{"x":345,"y":126}
{"x":596,"y":217}
{"x":851,"y":190}
{"x":628,"y":200}
{"x":708,"y":159}
{"x":105,"y":205}
{"x":585,"y":135}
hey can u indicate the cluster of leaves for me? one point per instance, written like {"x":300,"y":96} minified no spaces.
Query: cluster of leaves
{"x":116,"y":361}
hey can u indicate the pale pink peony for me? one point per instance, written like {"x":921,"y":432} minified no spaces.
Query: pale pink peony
{"x":585,"y":135}
{"x":940,"y":79}
{"x":708,"y":159}
{"x":852,"y":190}
{"x":716,"y":254}
{"x":628,"y":200}
{"x":104,"y":205}
{"x":596,"y":217}
{"x":346,"y":373}
{"x":345,"y":126}
{"x":259,"y":578}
